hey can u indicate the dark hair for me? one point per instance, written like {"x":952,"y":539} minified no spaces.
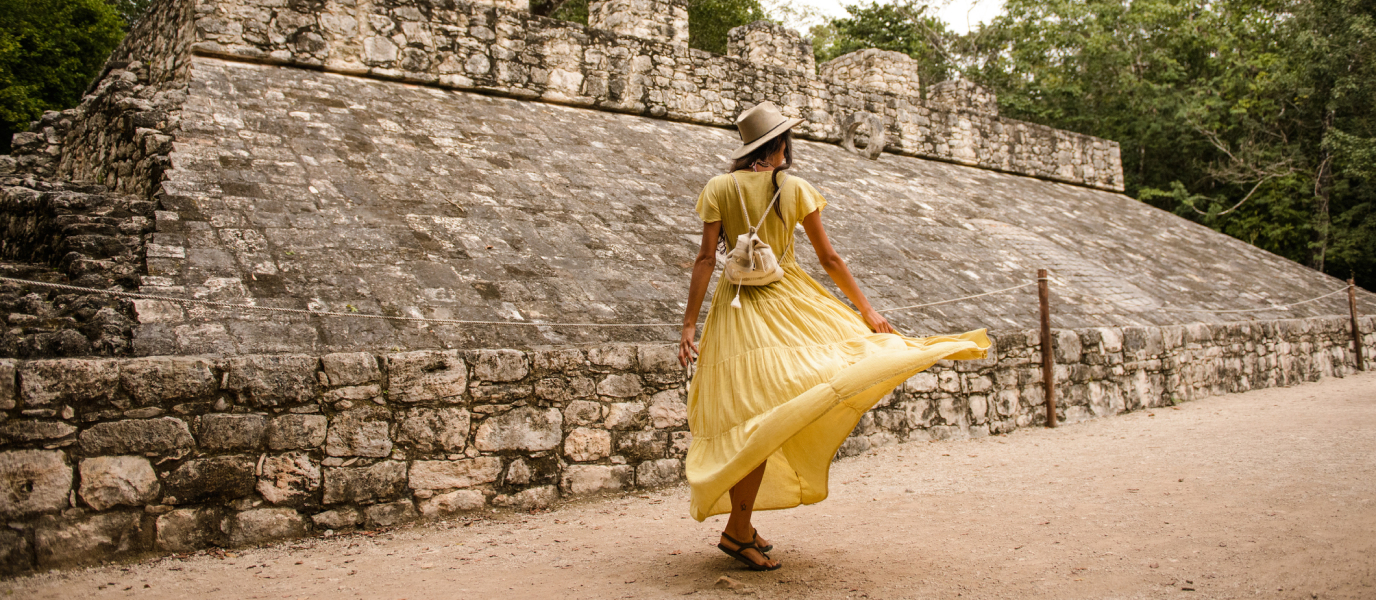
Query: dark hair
{"x":766,"y":150}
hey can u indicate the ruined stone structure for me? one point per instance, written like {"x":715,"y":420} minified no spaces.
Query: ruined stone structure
{"x":463,"y":161}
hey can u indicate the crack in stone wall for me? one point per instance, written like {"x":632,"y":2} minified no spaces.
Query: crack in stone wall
{"x":113,"y":458}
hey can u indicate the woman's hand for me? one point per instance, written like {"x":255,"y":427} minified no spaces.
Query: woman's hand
{"x":876,"y":322}
{"x":687,"y":349}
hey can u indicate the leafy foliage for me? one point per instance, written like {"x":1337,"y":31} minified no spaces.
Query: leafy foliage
{"x":49,"y":51}
{"x":902,"y":26}
{"x":708,"y":20}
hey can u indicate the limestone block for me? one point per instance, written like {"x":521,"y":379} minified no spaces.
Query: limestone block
{"x":978,"y":383}
{"x":580,"y":480}
{"x":434,"y":429}
{"x":679,"y":442}
{"x":350,"y":368}
{"x":218,"y":432}
{"x":500,"y":365}
{"x":582,"y":412}
{"x":536,"y":498}
{"x":626,"y":415}
{"x":554,"y":389}
{"x":922,"y":383}
{"x":518,"y":473}
{"x":452,"y":474}
{"x":450,"y":503}
{"x":948,"y":381}
{"x":108,"y":481}
{"x":289,"y":478}
{"x":625,"y":385}
{"x":9,"y":394}
{"x":362,"y":485}
{"x":188,"y":529}
{"x":494,"y":393}
{"x":979,"y":407}
{"x":659,"y":358}
{"x":583,"y":444}
{"x":525,"y":429}
{"x":263,"y":525}
{"x":272,"y":380}
{"x":1006,"y":402}
{"x":86,"y":540}
{"x":559,"y":360}
{"x":165,"y":435}
{"x":16,"y":556}
{"x":67,"y":380}
{"x":357,"y":393}
{"x":390,"y":513}
{"x":214,"y":478}
{"x":362,"y":431}
{"x":32,"y":482}
{"x":620,"y":357}
{"x":167,"y":379}
{"x":655,"y":473}
{"x":918,"y":413}
{"x":641,"y":445}
{"x":426,"y":376}
{"x":18,"y":432}
{"x":295,"y":432}
{"x":668,"y":410}
{"x":339,"y":518}
{"x":1067,"y":346}
{"x":663,"y":21}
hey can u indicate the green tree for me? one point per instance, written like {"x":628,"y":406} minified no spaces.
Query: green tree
{"x":905,"y":26}
{"x":49,"y":52}
{"x":708,"y":20}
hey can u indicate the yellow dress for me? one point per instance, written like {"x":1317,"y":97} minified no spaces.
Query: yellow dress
{"x":786,"y":376}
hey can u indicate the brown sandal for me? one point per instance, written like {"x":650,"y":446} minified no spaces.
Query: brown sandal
{"x":755,"y":538}
{"x":740,"y":556}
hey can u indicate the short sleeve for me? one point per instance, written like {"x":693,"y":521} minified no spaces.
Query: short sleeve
{"x":708,"y":201}
{"x":808,"y":199}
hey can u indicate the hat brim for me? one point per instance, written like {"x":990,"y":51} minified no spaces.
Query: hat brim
{"x":777,"y":131}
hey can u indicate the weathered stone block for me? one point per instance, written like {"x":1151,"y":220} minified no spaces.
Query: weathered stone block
{"x":188,"y":529}
{"x":15,"y":554}
{"x":668,"y":410}
{"x":67,"y":380}
{"x":9,"y":392}
{"x":108,"y":481}
{"x":167,"y":379}
{"x":289,"y":478}
{"x":922,"y":383}
{"x":33,"y":482}
{"x":85,"y":540}
{"x":389,"y":514}
{"x":451,"y":474}
{"x":434,"y":429}
{"x":218,"y":432}
{"x":659,"y":358}
{"x":272,"y":380}
{"x":559,"y":359}
{"x":626,"y":415}
{"x":641,"y":445}
{"x":583,"y":444}
{"x":18,"y":432}
{"x":360,"y":432}
{"x":625,"y":385}
{"x":426,"y":376}
{"x":620,"y":356}
{"x":339,"y":518}
{"x":1067,"y":347}
{"x":536,"y":498}
{"x":450,"y":503}
{"x":554,"y":389}
{"x":294,"y":432}
{"x":582,"y":412}
{"x":526,"y":429}
{"x":517,"y":473}
{"x":500,"y":365}
{"x":351,"y":368}
{"x":166,"y":435}
{"x":654,"y":473}
{"x":679,"y":442}
{"x":579,"y":480}
{"x":218,"y":477}
{"x":357,"y":393}
{"x":262,"y":525}
{"x":365,"y":485}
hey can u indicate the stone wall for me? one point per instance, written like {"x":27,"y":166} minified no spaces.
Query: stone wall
{"x":107,"y":459}
{"x":764,"y":43}
{"x":513,"y":53}
{"x":883,"y":70}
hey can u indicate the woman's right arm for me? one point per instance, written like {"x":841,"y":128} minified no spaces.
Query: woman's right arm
{"x":840,"y":273}
{"x":703,"y":266}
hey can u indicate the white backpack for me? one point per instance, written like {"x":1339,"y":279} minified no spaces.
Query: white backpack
{"x":751,"y":262}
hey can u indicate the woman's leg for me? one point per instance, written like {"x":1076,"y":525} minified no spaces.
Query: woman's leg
{"x":742,"y":506}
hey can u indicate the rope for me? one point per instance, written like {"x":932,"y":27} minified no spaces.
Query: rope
{"x":1016,"y":287}
{"x":317,"y":313}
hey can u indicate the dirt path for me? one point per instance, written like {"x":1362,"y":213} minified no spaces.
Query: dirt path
{"x":1267,"y":494}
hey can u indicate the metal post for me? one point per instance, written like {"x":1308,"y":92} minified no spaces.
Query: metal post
{"x":1356,"y":331}
{"x":1048,"y":358}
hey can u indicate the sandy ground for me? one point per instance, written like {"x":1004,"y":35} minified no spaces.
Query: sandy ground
{"x":1267,"y":494}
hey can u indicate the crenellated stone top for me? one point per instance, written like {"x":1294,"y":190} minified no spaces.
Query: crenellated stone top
{"x":664,"y":21}
{"x":961,"y":94}
{"x":883,"y":70}
{"x":765,"y":43}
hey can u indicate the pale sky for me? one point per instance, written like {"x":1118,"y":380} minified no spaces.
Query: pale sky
{"x":961,"y":15}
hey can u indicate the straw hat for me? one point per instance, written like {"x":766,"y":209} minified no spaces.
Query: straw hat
{"x":759,"y":124}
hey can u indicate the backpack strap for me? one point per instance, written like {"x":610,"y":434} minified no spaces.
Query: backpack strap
{"x":746,"y":211}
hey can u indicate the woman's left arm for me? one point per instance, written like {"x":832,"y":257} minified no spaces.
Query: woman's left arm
{"x":840,"y":273}
{"x":703,"y":266}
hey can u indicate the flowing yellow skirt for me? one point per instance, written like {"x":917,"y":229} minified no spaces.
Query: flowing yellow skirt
{"x":785,"y":378}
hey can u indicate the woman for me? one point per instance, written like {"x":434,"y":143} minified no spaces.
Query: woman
{"x":784,"y":377}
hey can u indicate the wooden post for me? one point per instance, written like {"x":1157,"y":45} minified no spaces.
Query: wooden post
{"x":1356,"y":331}
{"x":1048,"y":358}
